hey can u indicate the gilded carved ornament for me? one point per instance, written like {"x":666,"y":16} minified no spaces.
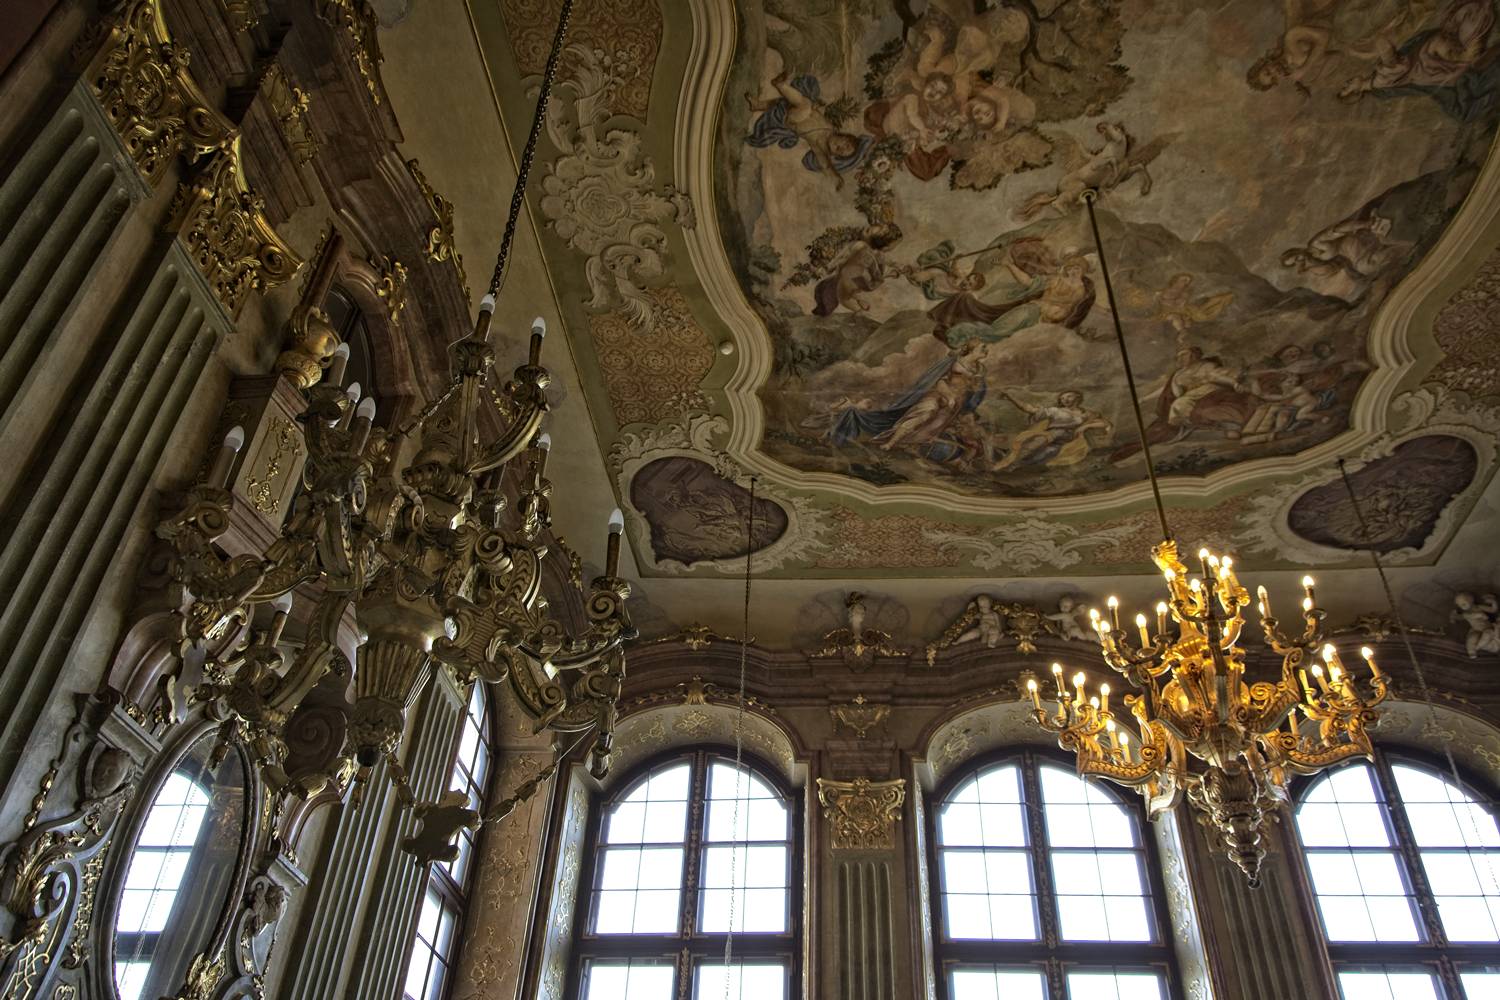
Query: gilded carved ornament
{"x":223,"y":225}
{"x":859,"y":716}
{"x":990,"y":620}
{"x":141,"y":79}
{"x":356,"y":18}
{"x":862,"y":813}
{"x":311,"y":340}
{"x":440,"y":242}
{"x":290,"y":106}
{"x":856,"y":644}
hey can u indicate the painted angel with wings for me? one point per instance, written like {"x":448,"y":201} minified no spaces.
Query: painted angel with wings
{"x":1103,"y":169}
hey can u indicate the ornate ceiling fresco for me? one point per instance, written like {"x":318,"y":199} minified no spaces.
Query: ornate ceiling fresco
{"x":839,"y":245}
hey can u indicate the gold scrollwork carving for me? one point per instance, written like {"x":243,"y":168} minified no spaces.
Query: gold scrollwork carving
{"x":290,"y":106}
{"x":142,"y":82}
{"x":223,"y":225}
{"x":859,"y":716}
{"x":440,"y":244}
{"x":862,"y":813}
{"x":261,"y":487}
{"x":357,"y":19}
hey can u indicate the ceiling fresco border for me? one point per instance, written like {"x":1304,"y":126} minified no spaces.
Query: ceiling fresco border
{"x":1406,"y":314}
{"x":720,"y":420}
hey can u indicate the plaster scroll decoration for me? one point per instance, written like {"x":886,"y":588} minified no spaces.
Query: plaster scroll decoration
{"x":440,"y":241}
{"x":694,"y":724}
{"x":223,"y":225}
{"x":698,"y":637}
{"x":862,"y":814}
{"x":1464,"y":329}
{"x":625,"y":33}
{"x":359,"y":24}
{"x":142,"y":81}
{"x":653,"y":373}
{"x":601,"y":196}
{"x":859,"y":716}
{"x":854,"y":642}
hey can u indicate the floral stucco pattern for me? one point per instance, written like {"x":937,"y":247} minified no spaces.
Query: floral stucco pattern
{"x":1464,"y":329}
{"x":653,"y":374}
{"x":626,"y":35}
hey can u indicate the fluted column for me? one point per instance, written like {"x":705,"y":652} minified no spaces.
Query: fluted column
{"x":356,"y":927}
{"x":396,"y":890}
{"x":103,"y":450}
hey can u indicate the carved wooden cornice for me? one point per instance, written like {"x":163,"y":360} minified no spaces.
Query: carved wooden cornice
{"x":222,"y":223}
{"x":141,"y":79}
{"x":862,"y":813}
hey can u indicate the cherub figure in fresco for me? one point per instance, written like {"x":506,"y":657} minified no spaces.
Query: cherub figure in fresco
{"x":1288,"y":398}
{"x":1046,"y":290}
{"x":1116,"y":161}
{"x":1300,"y":51}
{"x":927,"y":108}
{"x":860,"y":266}
{"x":1058,"y":433}
{"x":995,"y":139}
{"x":1201,"y":392}
{"x":1437,"y":58}
{"x":1177,"y":306}
{"x":799,"y":115}
{"x":1347,"y":254}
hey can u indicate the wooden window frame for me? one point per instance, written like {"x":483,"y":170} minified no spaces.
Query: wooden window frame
{"x":1049,"y":953}
{"x":689,"y":947}
{"x":1435,"y":953}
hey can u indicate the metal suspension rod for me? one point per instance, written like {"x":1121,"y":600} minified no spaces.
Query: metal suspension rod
{"x":1135,"y":400}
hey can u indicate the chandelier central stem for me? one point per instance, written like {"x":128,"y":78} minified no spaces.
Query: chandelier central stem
{"x":1135,"y":399}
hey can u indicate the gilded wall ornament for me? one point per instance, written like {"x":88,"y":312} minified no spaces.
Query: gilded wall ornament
{"x":290,"y":106}
{"x":141,"y":79}
{"x":440,"y":243}
{"x":264,"y":486}
{"x":601,"y":195}
{"x":859,"y":716}
{"x":391,"y":285}
{"x":223,"y":225}
{"x":990,"y":620}
{"x":862,"y":814}
{"x":856,"y":644}
{"x":357,"y":20}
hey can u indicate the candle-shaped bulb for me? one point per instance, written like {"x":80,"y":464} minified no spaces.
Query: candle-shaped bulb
{"x":1057,"y":668}
{"x":283,"y":604}
{"x":1078,"y":679}
{"x":352,"y":393}
{"x":1317,"y":670}
{"x":538,"y":331}
{"x":1328,"y":652}
{"x":1307,"y":583}
{"x":487,"y":304}
{"x":282,"y":607}
{"x":612,"y":546}
{"x":1104,"y":689}
{"x":1140,"y":624}
{"x":1193,"y":584}
{"x":337,"y":364}
{"x":544,"y":442}
{"x":1094,"y":703}
{"x":1109,"y":725}
{"x":1031,"y":683}
{"x":1094,"y":615}
{"x":1140,"y":620}
{"x":1113,"y":602}
{"x":1366,"y":652}
{"x":218,"y":475}
{"x":366,"y":409}
{"x":1170,"y":574}
{"x":1226,"y":563}
{"x":1307,"y":604}
{"x":1213,"y":560}
{"x":1260,"y":593}
{"x":1203,"y":553}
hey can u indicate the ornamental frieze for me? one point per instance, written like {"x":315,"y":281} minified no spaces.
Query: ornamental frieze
{"x":862,"y":814}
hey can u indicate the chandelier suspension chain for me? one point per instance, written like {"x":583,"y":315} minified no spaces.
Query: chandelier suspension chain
{"x":1416,"y":663}
{"x":1089,"y":197}
{"x":518,"y":196}
{"x":739,"y":739}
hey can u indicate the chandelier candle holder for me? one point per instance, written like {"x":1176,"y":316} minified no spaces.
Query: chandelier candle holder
{"x":1194,"y":724}
{"x":422,"y":559}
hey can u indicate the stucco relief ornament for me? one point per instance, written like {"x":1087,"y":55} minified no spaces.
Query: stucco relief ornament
{"x":862,"y":813}
{"x":1481,"y":615}
{"x":990,"y":620}
{"x":854,"y":643}
{"x":601,"y":195}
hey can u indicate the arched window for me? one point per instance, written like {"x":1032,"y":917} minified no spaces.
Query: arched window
{"x":348,"y":321}
{"x":1046,"y":887}
{"x":157,"y":868}
{"x":668,"y":877}
{"x":439,"y":919}
{"x":1405,"y":869}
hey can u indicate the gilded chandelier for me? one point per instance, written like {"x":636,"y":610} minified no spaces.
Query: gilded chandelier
{"x":1195,"y":724}
{"x":436,"y":560}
